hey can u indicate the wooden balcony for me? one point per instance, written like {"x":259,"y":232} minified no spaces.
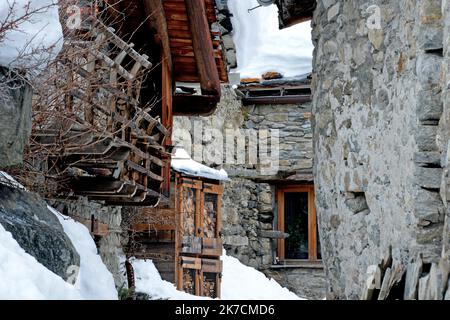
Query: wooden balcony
{"x":102,"y":141}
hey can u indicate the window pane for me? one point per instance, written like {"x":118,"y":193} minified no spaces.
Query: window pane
{"x":296,"y":225}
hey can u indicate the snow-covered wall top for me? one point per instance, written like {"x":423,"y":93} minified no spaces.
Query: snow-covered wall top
{"x":262,"y":47}
{"x":36,"y":37}
{"x":182,"y":162}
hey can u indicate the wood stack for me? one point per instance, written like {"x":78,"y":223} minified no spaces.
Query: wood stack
{"x":209,"y":285}
{"x":199,"y":246}
{"x":189,"y":281}
{"x":210,"y":217}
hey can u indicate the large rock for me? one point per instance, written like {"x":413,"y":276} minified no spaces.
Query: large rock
{"x":15,"y":118}
{"x":37,"y":230}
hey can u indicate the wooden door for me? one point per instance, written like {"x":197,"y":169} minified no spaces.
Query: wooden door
{"x":199,"y":236}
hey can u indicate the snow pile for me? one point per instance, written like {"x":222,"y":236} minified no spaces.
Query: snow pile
{"x":239,"y":282}
{"x":262,"y":47}
{"x":150,"y":282}
{"x":182,"y":162}
{"x":94,"y":280}
{"x":23,"y":277}
{"x":35,"y":39}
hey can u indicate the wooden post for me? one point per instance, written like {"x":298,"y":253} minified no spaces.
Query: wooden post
{"x":280,"y":199}
{"x":312,"y":226}
{"x":203,"y":47}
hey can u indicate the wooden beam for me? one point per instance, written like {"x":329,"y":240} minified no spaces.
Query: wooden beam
{"x":297,"y":99}
{"x":203,"y":47}
{"x":194,"y":105}
{"x":157,"y":21}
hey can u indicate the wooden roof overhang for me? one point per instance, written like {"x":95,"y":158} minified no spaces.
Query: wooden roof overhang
{"x":192,"y":49}
{"x":292,"y":12}
{"x":295,"y":92}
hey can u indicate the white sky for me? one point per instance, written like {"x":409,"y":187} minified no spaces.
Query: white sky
{"x":262,"y":47}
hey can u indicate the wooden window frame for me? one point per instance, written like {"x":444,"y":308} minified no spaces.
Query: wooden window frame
{"x":312,"y":221}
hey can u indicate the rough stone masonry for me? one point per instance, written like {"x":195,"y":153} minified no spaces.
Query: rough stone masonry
{"x":381,"y":134}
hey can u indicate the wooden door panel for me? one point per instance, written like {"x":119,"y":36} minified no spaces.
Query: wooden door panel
{"x":212,"y":247}
{"x":191,"y":245}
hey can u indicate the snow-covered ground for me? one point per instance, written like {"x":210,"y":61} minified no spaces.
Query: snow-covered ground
{"x":262,"y":47}
{"x":239,"y":282}
{"x":23,"y":277}
{"x":40,"y":33}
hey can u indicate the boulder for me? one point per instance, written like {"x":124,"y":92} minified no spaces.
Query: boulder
{"x":37,"y":230}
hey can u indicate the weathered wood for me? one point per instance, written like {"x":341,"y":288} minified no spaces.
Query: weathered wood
{"x":123,"y":45}
{"x":210,"y":265}
{"x":292,"y":12}
{"x":191,"y":105}
{"x":203,"y":48}
{"x":295,"y":99}
{"x":273,"y":234}
{"x":191,"y":245}
{"x":212,"y":247}
{"x":191,"y":263}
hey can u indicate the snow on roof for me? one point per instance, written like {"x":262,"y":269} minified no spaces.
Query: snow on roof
{"x":262,"y":47}
{"x":183,"y":163}
{"x":35,"y":39}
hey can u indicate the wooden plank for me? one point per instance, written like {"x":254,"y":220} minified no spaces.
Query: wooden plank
{"x":112,"y":37}
{"x":167,"y":119}
{"x":130,"y":164}
{"x":191,"y":263}
{"x":190,"y":183}
{"x":212,"y":188}
{"x":312,"y":227}
{"x":194,"y":105}
{"x":203,"y":47}
{"x":191,"y":245}
{"x":281,"y":242}
{"x":276,"y":100}
{"x":212,"y":247}
{"x":178,"y":224}
{"x":211,"y":265}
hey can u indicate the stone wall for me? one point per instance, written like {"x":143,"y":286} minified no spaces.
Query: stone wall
{"x":249,"y":208}
{"x":380,"y":136}
{"x":305,"y":282}
{"x":246,"y":211}
{"x":226,"y":28}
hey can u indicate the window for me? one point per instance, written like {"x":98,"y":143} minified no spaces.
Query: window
{"x":297,"y":217}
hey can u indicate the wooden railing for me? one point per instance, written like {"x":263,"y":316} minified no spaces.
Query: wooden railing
{"x":101,"y":138}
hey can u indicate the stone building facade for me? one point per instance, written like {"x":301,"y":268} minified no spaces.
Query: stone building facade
{"x":249,"y":210}
{"x":381,"y":132}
